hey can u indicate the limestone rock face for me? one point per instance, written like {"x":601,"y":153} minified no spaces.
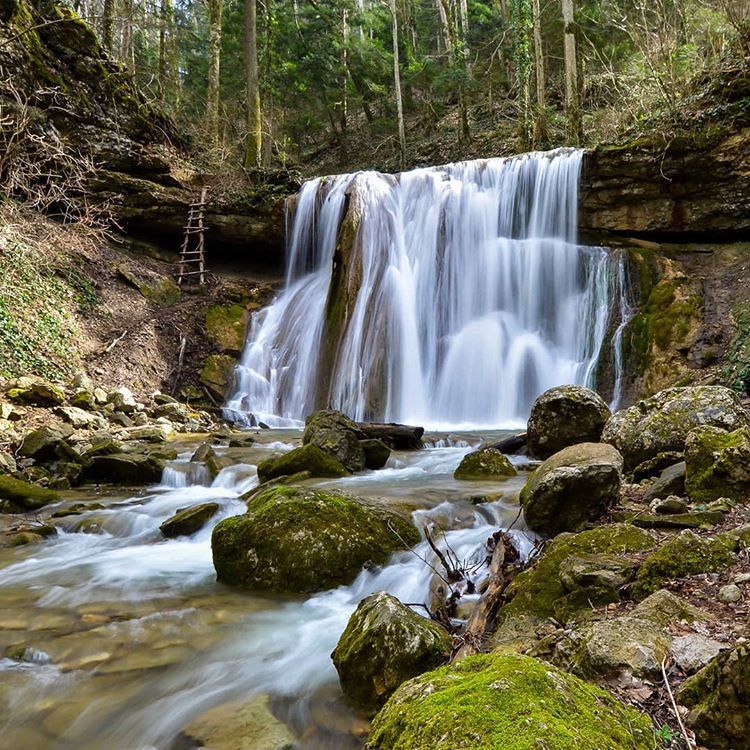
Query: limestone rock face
{"x":486,"y":463}
{"x":662,"y":423}
{"x":717,"y":464}
{"x":563,"y":416}
{"x":719,"y":701}
{"x":505,"y":701}
{"x":574,"y":486}
{"x":301,"y":540}
{"x":384,"y":644}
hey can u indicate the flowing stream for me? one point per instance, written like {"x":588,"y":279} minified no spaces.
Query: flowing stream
{"x":118,"y":638}
{"x":447,"y":296}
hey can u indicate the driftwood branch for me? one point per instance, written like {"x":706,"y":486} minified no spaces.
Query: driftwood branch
{"x":116,"y":341}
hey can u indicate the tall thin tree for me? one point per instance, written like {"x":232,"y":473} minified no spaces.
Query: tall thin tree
{"x":397,"y":87}
{"x":572,"y":92}
{"x":215,"y":8}
{"x":254,"y":148}
{"x":540,"y":109}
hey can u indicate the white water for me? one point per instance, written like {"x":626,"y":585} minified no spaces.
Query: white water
{"x":473,"y":297}
{"x":160,"y":596}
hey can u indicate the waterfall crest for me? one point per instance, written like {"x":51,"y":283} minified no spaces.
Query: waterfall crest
{"x":445,"y":296}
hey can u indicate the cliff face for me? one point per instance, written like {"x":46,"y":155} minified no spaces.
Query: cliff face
{"x":66,"y":105}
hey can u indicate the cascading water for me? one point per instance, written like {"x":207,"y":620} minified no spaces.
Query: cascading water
{"x":442,"y":296}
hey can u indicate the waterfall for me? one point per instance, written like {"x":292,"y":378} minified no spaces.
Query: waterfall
{"x":443,"y":296}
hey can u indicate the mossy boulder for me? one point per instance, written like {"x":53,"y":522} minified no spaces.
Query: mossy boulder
{"x":376,"y":453}
{"x":44,"y":443}
{"x":606,"y":571}
{"x":129,"y":469}
{"x":226,"y":326}
{"x":667,"y":609}
{"x":190,"y":520}
{"x":384,"y":644}
{"x":308,"y":458}
{"x":486,"y":463}
{"x":337,"y":435}
{"x":506,"y":701}
{"x":564,"y":416}
{"x":717,"y":464}
{"x":719,"y":701}
{"x":217,"y":373}
{"x":684,"y":555}
{"x":160,"y":290}
{"x":662,"y":423}
{"x":534,"y":591}
{"x":576,"y":485}
{"x":36,"y":392}
{"x":15,"y":494}
{"x":295,"y":539}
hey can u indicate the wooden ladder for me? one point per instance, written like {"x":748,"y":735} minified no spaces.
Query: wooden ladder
{"x":192,"y":256}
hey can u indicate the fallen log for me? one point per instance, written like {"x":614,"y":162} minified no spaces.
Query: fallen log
{"x":398,"y":437}
{"x":515,"y":444}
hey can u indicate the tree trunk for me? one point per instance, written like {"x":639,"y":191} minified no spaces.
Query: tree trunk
{"x":444,"y":28}
{"x":540,"y":112}
{"x":572,"y":92}
{"x":397,"y":87}
{"x":108,"y":25}
{"x":522,"y":24}
{"x":167,"y":64}
{"x":214,"y":8}
{"x":254,"y":148}
{"x":344,"y":81}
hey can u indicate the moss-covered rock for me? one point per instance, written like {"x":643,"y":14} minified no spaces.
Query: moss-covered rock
{"x":36,"y":392}
{"x":160,"y":290}
{"x":535,"y":591}
{"x":338,"y":436}
{"x":662,"y":423}
{"x":217,"y":373}
{"x":384,"y":644}
{"x":574,"y":486}
{"x":486,"y":463}
{"x":294,"y":539}
{"x":17,"y":494}
{"x":226,"y":326}
{"x":667,"y":609}
{"x":563,"y":416}
{"x":719,"y":701}
{"x":376,"y":453}
{"x":684,"y":555}
{"x":307,"y":458}
{"x":43,"y":444}
{"x":506,"y":701}
{"x":188,"y":521}
{"x":607,"y":571}
{"x":717,"y":464}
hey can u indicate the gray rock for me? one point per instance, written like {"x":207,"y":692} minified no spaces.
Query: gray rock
{"x":693,"y":651}
{"x":123,"y":400}
{"x":376,"y":453}
{"x":669,"y":505}
{"x":605,"y":571}
{"x":190,"y":520}
{"x":730,"y":594}
{"x":670,"y":482}
{"x":80,"y":419}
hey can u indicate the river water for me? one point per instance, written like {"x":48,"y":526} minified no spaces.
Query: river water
{"x":118,"y":638}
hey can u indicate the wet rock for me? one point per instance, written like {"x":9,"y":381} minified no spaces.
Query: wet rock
{"x":307,"y":458}
{"x":384,"y":644}
{"x":662,"y":423}
{"x":376,"y":453}
{"x":507,"y":701}
{"x":730,"y":594}
{"x":671,"y":481}
{"x":190,"y":520}
{"x":717,"y":464}
{"x":486,"y":463}
{"x":719,"y":701}
{"x":684,"y":555}
{"x":226,"y":326}
{"x":242,"y":725}
{"x":338,"y":436}
{"x":129,"y":469}
{"x":576,"y":485}
{"x":122,"y":399}
{"x":36,"y":392}
{"x":563,"y":416}
{"x":398,"y":437}
{"x":295,"y":539}
{"x":693,"y":651}
{"x":606,"y":571}
{"x":217,"y":373}
{"x":16,"y":494}
{"x":42,"y":444}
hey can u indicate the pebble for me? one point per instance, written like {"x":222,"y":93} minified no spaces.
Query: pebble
{"x":730,"y":594}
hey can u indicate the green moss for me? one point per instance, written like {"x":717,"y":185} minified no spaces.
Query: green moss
{"x":487,"y":463}
{"x":226,"y":326}
{"x":536,"y":590}
{"x":506,"y":701}
{"x":717,"y":464}
{"x":308,"y":458}
{"x":299,"y":540}
{"x":217,"y":372}
{"x":26,"y":495}
{"x":736,"y":370}
{"x":684,"y":555}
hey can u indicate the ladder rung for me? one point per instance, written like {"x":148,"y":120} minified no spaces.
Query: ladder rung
{"x":192,"y":273}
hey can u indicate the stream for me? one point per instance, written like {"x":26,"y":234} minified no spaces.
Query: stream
{"x":117,"y":637}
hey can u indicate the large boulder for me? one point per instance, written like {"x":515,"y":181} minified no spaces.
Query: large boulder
{"x":17,"y":495}
{"x":36,"y":392}
{"x":684,"y":555}
{"x":376,"y":452}
{"x":384,"y":644}
{"x":717,"y":464}
{"x":719,"y":701}
{"x":294,"y":539}
{"x":506,"y":701}
{"x":486,"y":463}
{"x":336,"y":434}
{"x":307,"y":458}
{"x":44,"y":443}
{"x":574,"y":486}
{"x":189,"y":520}
{"x":563,"y":416}
{"x":128,"y":469}
{"x":662,"y":423}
